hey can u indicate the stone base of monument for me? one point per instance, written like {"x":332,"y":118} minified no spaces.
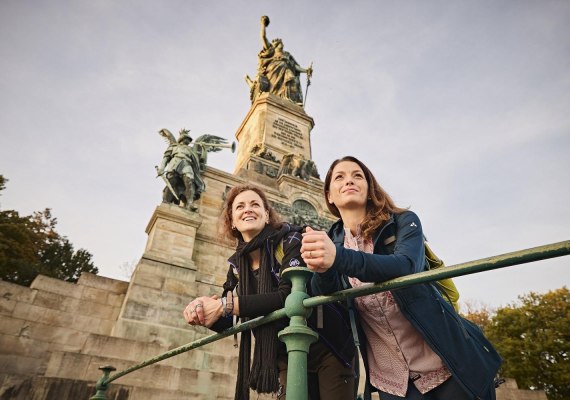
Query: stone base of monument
{"x":278,"y":125}
{"x":171,"y":235}
{"x":164,"y":282}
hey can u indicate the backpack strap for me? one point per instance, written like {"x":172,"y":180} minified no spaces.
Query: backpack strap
{"x":351,"y":314}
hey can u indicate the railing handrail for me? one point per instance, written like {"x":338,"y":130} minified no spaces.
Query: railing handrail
{"x":538,"y":253}
{"x":485,"y":264}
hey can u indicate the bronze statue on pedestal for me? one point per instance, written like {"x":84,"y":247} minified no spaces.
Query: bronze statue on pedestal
{"x":277,"y":71}
{"x":182,"y":166}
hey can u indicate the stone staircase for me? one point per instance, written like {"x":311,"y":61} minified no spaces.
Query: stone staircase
{"x":55,"y":335}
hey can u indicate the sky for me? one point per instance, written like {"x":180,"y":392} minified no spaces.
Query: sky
{"x":460,"y":108}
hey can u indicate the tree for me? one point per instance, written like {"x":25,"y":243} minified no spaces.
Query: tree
{"x":478,"y":313}
{"x":534,"y":340}
{"x":18,"y":248}
{"x":30,"y":246}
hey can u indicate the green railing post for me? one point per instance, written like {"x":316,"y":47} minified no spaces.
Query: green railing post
{"x":103,"y":383}
{"x":297,"y":336}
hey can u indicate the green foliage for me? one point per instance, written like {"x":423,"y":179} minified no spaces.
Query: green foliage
{"x":30,"y":246}
{"x":479,"y":314}
{"x":534,"y":340}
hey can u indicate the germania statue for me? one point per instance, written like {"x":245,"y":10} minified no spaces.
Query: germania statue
{"x":277,"y":71}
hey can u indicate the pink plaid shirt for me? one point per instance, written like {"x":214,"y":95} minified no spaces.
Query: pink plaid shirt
{"x":396,"y":351}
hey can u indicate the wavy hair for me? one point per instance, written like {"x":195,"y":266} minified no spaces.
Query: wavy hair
{"x":226,"y":230}
{"x":379,"y":206}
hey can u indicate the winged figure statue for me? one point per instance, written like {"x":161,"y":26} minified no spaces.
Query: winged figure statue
{"x":183,"y":164}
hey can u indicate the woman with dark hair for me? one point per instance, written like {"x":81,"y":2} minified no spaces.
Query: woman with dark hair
{"x":414,"y":345}
{"x":265,"y":247}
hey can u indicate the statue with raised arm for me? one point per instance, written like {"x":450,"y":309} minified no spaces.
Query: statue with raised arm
{"x":277,"y":70}
{"x":182,"y":166}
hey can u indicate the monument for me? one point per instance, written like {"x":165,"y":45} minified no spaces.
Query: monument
{"x":55,"y":335}
{"x":184,"y":257}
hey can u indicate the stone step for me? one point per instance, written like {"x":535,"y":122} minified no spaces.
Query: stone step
{"x":208,"y":357}
{"x":16,"y":387}
{"x":158,"y":376}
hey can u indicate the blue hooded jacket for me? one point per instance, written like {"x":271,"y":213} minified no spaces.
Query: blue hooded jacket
{"x":465,"y":351}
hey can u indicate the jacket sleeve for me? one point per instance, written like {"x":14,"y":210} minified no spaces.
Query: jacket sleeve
{"x":222,"y":324}
{"x":408,"y":256}
{"x":326,"y":282}
{"x":256,"y":305}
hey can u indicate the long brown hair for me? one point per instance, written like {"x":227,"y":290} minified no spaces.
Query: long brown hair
{"x":226,"y":215}
{"x":379,"y":206}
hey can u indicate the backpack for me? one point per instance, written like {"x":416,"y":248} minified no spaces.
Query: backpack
{"x":279,"y":252}
{"x":446,"y":286}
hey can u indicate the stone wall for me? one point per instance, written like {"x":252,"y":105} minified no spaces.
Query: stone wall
{"x":510,"y":391}
{"x":54,"y":316}
{"x":55,"y":335}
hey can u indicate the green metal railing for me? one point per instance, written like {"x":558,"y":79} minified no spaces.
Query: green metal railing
{"x":298,"y":337}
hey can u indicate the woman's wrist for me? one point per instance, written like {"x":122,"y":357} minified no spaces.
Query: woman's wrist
{"x":227,"y":304}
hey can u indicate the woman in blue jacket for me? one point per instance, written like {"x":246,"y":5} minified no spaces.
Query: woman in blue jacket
{"x":414,"y":345}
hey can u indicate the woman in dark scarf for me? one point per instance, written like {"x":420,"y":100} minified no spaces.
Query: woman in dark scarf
{"x":255,"y":275}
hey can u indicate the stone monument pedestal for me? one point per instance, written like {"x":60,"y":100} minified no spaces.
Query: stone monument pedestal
{"x":171,"y":235}
{"x":273,"y":128}
{"x":163,"y":282}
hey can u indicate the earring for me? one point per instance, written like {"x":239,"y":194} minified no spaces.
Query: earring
{"x":233,"y":227}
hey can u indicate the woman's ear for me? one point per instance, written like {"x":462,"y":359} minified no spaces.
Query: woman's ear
{"x":329,"y":198}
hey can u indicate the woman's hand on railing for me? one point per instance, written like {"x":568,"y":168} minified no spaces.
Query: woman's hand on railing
{"x":318,"y":250}
{"x":204,"y":311}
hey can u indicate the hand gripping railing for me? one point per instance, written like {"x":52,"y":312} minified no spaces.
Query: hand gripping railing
{"x":298,"y":337}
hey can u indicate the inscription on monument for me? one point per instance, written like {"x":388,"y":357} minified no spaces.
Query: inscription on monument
{"x":287,"y":133}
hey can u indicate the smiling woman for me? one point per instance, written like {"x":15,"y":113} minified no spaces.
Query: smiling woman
{"x":249,"y":215}
{"x":266,"y":246}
